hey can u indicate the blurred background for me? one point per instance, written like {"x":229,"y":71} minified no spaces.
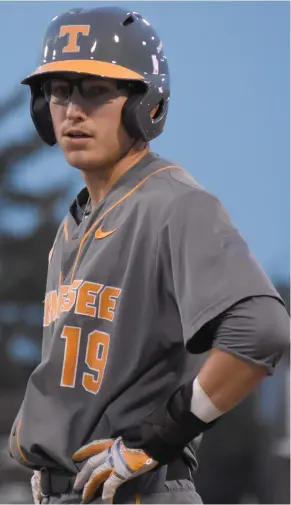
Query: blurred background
{"x":229,"y":126}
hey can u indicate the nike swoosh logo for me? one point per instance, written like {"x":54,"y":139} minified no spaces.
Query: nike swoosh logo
{"x":102,"y":234}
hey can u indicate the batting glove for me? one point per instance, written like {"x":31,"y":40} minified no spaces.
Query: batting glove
{"x":112,"y":463}
{"x":35,"y":487}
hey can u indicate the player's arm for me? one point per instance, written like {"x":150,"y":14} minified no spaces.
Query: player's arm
{"x":223,"y":382}
{"x":226,"y":302}
{"x":247,"y":340}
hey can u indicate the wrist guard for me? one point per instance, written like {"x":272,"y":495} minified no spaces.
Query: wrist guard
{"x":168,"y":429}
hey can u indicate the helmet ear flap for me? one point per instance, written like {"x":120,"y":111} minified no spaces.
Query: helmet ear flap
{"x":130,"y":119}
{"x":144,"y":115}
{"x":41,"y":117}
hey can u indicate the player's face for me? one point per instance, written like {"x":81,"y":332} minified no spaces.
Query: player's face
{"x":86,"y":115}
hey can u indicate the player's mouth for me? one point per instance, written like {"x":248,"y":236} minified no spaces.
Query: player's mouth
{"x":77,"y":136}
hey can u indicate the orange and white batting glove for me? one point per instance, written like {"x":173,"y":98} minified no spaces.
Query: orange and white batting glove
{"x":112,"y":463}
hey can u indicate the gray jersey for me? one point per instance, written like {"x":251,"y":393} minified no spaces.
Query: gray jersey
{"x":127,"y":290}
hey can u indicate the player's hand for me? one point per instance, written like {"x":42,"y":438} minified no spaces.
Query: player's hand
{"x":110,"y":462}
{"x":35,"y":487}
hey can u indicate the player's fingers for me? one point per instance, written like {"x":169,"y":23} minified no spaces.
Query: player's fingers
{"x":35,"y":485}
{"x":130,"y":460}
{"x":137,"y":459}
{"x":91,"y":449}
{"x":110,"y":487}
{"x":97,"y":478}
{"x":92,"y":464}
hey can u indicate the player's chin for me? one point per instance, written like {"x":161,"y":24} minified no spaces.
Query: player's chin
{"x":81,"y":159}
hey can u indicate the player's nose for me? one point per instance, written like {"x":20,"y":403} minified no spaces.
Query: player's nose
{"x":76,"y":107}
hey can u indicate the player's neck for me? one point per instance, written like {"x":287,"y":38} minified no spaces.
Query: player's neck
{"x":100,"y":182}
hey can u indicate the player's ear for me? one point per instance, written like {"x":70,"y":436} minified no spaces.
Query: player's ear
{"x":154,"y":111}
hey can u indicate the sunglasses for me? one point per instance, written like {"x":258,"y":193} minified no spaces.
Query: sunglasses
{"x":60,"y":91}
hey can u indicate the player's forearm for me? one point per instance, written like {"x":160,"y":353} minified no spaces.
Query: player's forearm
{"x":223,"y":381}
{"x":248,"y":343}
{"x":246,"y":347}
{"x":227,"y":380}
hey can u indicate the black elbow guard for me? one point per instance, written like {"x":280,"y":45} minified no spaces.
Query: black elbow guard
{"x":165,"y":432}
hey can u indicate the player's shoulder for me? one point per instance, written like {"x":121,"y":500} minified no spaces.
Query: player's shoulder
{"x":172,"y":183}
{"x":172,"y":177}
{"x":173,"y":193}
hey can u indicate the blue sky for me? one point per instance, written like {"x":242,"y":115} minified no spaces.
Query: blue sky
{"x":229,"y":114}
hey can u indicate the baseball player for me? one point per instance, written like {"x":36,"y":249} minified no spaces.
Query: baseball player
{"x":145,"y":267}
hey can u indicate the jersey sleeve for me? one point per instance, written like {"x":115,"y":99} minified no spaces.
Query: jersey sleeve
{"x":207,"y":265}
{"x":256,"y":330}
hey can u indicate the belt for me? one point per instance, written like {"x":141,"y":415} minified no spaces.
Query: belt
{"x":55,"y":482}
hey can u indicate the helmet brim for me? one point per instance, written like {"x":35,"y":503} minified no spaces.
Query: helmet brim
{"x":89,"y":67}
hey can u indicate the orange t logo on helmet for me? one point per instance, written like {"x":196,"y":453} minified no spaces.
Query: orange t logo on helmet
{"x":73,"y":31}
